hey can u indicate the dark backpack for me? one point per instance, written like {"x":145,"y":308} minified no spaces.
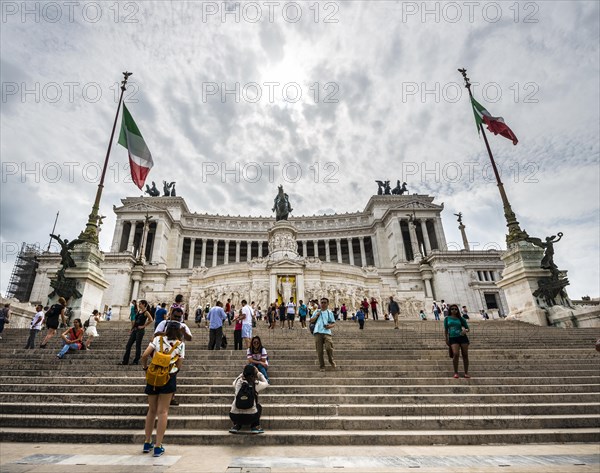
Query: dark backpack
{"x":244,"y":399}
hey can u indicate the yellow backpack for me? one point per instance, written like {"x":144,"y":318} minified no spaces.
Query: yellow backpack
{"x":157,"y":374}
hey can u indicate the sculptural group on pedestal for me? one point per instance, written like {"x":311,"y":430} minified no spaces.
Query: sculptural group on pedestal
{"x":383,"y":188}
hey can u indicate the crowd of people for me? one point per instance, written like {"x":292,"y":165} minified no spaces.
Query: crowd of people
{"x":164,"y":356}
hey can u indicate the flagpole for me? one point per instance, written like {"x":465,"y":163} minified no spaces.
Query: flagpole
{"x":53,"y":229}
{"x":515,"y":233}
{"x":90,"y":234}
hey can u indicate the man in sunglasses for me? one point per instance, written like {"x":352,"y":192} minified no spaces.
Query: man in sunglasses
{"x":324,"y":321}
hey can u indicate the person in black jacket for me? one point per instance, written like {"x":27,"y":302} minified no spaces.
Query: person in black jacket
{"x":394,"y":310}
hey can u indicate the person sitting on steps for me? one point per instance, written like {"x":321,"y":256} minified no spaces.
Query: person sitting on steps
{"x":240,"y":416}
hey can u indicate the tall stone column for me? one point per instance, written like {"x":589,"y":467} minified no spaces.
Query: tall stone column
{"x":117,"y":237}
{"x":305,"y":248}
{"x":397,"y":231}
{"x":350,"y":251}
{"x":414,"y":242}
{"x":376,"y":259}
{"x":363,"y":253}
{"x":260,"y":245}
{"x":426,"y":241}
{"x":179,"y":262}
{"x":226,"y":256}
{"x":316,"y":247}
{"x":192,"y":253}
{"x":237,"y":250}
{"x":439,"y":234}
{"x":131,"y":235}
{"x":327,"y":251}
{"x":159,"y":253}
{"x":214,"y":255}
{"x":338,"y":244}
{"x":248,"y":250}
{"x":203,"y":258}
{"x":461,"y":227}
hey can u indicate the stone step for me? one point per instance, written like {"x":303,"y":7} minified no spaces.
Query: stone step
{"x":322,"y":381}
{"x":302,"y":437}
{"x":408,"y":409}
{"x":310,"y":389}
{"x":315,"y":422}
{"x":140,"y":398}
{"x":308,"y":372}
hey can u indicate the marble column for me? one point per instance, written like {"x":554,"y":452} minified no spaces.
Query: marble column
{"x":203,"y":258}
{"x":375,"y":253}
{"x":180,"y":252}
{"x":248,"y":250}
{"x":214,"y":255}
{"x":414,"y":242}
{"x":327,"y":251}
{"x":397,"y":231}
{"x":131,"y":235}
{"x":338,"y":244}
{"x":192,"y":253}
{"x":304,"y":248}
{"x":350,"y":251}
{"x":316,"y":247}
{"x":237,"y":250}
{"x":439,"y":234}
{"x":363,"y":253}
{"x":226,"y":256}
{"x":117,"y":237}
{"x":426,"y":241}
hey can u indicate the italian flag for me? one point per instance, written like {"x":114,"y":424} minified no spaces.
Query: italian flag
{"x":140,"y":159}
{"x":495,"y":124}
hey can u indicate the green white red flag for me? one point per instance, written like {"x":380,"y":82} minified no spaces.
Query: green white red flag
{"x":140,"y":159}
{"x":494,"y":124}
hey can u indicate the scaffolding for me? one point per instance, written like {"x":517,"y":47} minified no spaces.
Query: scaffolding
{"x":23,"y":273}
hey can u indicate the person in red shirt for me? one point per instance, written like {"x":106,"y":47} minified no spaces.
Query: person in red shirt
{"x":365,"y":307}
{"x":374,"y":308}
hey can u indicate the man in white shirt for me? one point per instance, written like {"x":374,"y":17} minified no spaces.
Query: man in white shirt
{"x":176,"y":316}
{"x":248,"y":314}
{"x":36,"y":326}
{"x":291,"y":313}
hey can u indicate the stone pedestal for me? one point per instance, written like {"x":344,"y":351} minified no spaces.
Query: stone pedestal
{"x":520,"y":280}
{"x":89,"y":279}
{"x":282,"y":241}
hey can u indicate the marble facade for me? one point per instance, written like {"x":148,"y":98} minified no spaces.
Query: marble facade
{"x":395,"y":246}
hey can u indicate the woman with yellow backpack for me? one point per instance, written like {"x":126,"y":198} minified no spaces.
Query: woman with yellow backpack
{"x":167,"y":353}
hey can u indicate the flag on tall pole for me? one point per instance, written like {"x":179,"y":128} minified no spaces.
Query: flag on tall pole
{"x":140,"y":159}
{"x":495,"y":124}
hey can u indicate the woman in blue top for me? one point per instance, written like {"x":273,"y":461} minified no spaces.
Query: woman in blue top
{"x":456,"y":329}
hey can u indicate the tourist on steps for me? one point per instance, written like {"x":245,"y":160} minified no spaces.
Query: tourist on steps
{"x":241,"y":416}
{"x":35,"y":327}
{"x":360,"y":317}
{"x":394,"y":310}
{"x":324,"y":321}
{"x":136,"y":335}
{"x":215,"y":318}
{"x":456,"y":329}
{"x":91,"y":331}
{"x":159,"y":398}
{"x":258,"y":357}
{"x":237,"y":331}
{"x":54,"y":312}
{"x":72,"y":339}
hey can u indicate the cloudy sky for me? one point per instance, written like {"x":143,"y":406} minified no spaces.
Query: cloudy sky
{"x":236,"y":98}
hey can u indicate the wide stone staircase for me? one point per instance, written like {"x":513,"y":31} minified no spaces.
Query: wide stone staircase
{"x":392,"y":387}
